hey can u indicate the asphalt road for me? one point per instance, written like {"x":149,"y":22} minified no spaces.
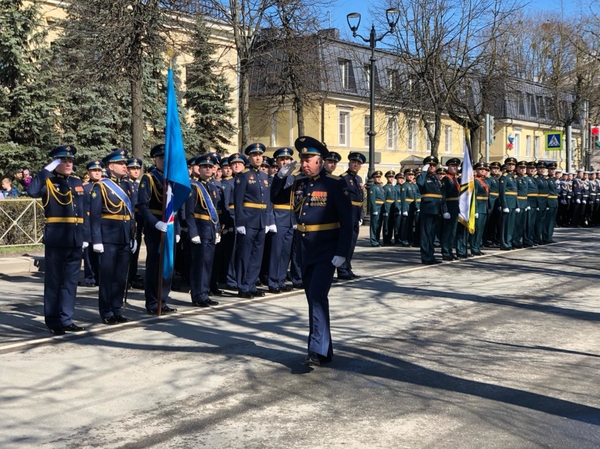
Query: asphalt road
{"x":501,"y":351}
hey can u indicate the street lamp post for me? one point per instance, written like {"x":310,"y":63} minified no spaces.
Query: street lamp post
{"x":392,"y":15}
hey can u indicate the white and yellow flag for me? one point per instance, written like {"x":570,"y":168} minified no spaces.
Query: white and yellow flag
{"x":466,"y":199}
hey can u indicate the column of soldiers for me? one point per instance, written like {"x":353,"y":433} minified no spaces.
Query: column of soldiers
{"x":222,"y":229}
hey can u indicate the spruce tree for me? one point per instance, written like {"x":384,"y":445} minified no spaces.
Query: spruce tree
{"x":27,"y":93}
{"x":207,"y":95}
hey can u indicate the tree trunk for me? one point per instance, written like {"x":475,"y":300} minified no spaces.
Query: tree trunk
{"x":137,"y":117}
{"x":244,"y":100}
{"x":300,"y":116}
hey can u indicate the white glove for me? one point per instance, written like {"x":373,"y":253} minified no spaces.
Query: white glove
{"x":506,"y":210}
{"x":424,"y":168}
{"x":177,"y":238}
{"x":338,"y":261}
{"x":272,"y":228}
{"x":446,"y":215}
{"x":360,"y":222}
{"x":517,"y":210}
{"x":161,"y":226}
{"x":295,"y":226}
{"x":578,"y":201}
{"x":584,"y":201}
{"x":286,"y":169}
{"x":52,"y":165}
{"x":98,"y":248}
{"x":218,"y":239}
{"x":85,"y":245}
{"x":196,"y":240}
{"x":405,"y":214}
{"x":241,"y":230}
{"x":384,"y":214}
{"x":375,"y":213}
{"x":547,"y":208}
{"x":537,"y":208}
{"x":528,"y":208}
{"x":476,"y":215}
{"x":133,"y":246}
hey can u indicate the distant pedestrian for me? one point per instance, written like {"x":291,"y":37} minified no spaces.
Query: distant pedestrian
{"x":8,"y":191}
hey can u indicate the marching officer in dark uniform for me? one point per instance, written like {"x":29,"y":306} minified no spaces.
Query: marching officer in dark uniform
{"x":531,"y":211}
{"x":90,"y":258}
{"x":548,"y":230}
{"x":521,"y":209}
{"x":400,"y":208}
{"x":376,"y":200}
{"x":495,"y":211}
{"x":433,"y":206}
{"x":411,"y":220}
{"x":508,"y":203}
{"x":355,"y":186}
{"x":282,"y":240}
{"x":63,"y":198}
{"x":202,"y":220}
{"x":112,"y":225}
{"x":134,"y":169}
{"x":331,"y":161}
{"x":253,"y":218}
{"x":150,"y":205}
{"x":324,"y":223}
{"x":390,"y":212}
{"x":482,"y":191}
{"x":451,"y":186}
{"x":219,"y":201}
{"x":543,"y":192}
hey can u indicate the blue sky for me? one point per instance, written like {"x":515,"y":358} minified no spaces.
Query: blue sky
{"x":338,"y":13}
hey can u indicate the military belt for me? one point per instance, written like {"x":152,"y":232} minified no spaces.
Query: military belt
{"x":409,"y":200}
{"x":511,"y":193}
{"x":282,"y":207}
{"x":389,"y":201}
{"x":357,"y":203}
{"x":75,"y":220}
{"x":431,"y":195}
{"x":454,"y":198}
{"x":494,"y":194}
{"x":318,"y":227}
{"x":543,"y":194}
{"x":201,"y":217}
{"x":482,"y":197}
{"x":156,"y":212}
{"x":521,"y":197}
{"x":532,"y":194}
{"x":231,"y":206}
{"x":116,"y":217}
{"x":255,"y":205}
{"x":379,"y":201}
{"x":553,"y":197}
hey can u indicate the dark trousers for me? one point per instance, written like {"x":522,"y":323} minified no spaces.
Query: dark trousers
{"x":507,"y":226}
{"x":134,"y":258}
{"x":462,"y":239}
{"x":477,"y":237}
{"x":60,"y":284}
{"x":539,"y":226}
{"x":429,"y":222}
{"x":530,"y":219}
{"x":519,"y":230}
{"x":90,"y":265}
{"x":346,"y":268}
{"x":296,"y":261}
{"x":492,"y":227}
{"x":281,"y":249}
{"x":548,"y":231}
{"x":113,"y":266}
{"x":153,"y":260}
{"x":225,"y":255}
{"x":375,"y":228}
{"x":263,"y":275}
{"x":202,"y":255}
{"x":231,"y":277}
{"x":317,"y":282}
{"x":448,"y":234}
{"x":250,"y":249}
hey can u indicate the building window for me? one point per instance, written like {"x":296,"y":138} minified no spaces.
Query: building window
{"x":392,"y":133}
{"x":517,"y":145}
{"x":532,"y":107}
{"x":343,"y":128}
{"x":347,"y":75}
{"x":536,"y":147}
{"x":367,"y":128}
{"x":521,"y":100}
{"x":448,"y":139}
{"x":527,"y":146}
{"x":411,"y":135}
{"x":392,"y":78}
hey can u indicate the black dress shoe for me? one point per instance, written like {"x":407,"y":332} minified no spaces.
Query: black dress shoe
{"x":200,"y":303}
{"x":110,"y":320}
{"x":57,"y":331}
{"x":448,"y":258}
{"x":431,"y":262}
{"x":312,"y":359}
{"x":167,"y":309}
{"x":298,"y":286}
{"x":210,"y":302}
{"x":354,"y":276}
{"x":73,"y":328}
{"x":274,"y":290}
{"x":505,"y":249}
{"x":246,"y":295}
{"x":462,"y":256}
{"x":122,"y":319}
{"x":286,"y":288}
{"x":345,"y":277}
{"x":258,"y":294}
{"x":216,"y":292}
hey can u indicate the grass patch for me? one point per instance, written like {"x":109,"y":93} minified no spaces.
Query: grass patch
{"x":14,"y":251}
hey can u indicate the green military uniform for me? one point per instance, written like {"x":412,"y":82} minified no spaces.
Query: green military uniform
{"x":543,"y":192}
{"x":493,"y":219}
{"x":376,"y":199}
{"x":401,"y":207}
{"x":548,"y":231}
{"x":390,"y":208}
{"x":451,"y":188}
{"x":531,"y":209}
{"x":521,"y":209}
{"x":508,"y":203}
{"x":432,"y":207}
{"x":481,"y":211}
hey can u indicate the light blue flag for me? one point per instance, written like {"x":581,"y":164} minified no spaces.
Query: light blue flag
{"x":176,"y":175}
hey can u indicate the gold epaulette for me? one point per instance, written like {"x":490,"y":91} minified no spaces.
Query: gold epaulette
{"x":329,"y":175}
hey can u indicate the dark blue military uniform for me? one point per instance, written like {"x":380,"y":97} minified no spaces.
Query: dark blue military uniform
{"x":431,"y":208}
{"x":282,"y":240}
{"x":63,"y":198}
{"x":112,"y":225}
{"x":202,"y":220}
{"x":150,"y":205}
{"x":90,"y":258}
{"x":324,"y":226}
{"x":133,"y":278}
{"x":354,"y":185}
{"x":543,"y":192}
{"x":253,"y":211}
{"x":548,"y":230}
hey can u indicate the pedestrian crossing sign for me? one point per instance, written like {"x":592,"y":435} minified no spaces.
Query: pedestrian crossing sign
{"x":554,"y":140}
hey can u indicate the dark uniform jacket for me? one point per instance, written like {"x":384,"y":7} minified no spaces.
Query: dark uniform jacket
{"x":63,"y":198}
{"x":508,"y":191}
{"x":542,"y":185}
{"x":150,"y":199}
{"x":198,"y":217}
{"x":482,"y":192}
{"x":521,"y":192}
{"x":355,"y":192}
{"x":111,"y":221}
{"x":432,"y":199}
{"x":283,"y":201}
{"x":251,"y":199}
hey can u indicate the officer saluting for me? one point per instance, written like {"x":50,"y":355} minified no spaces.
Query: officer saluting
{"x":323,"y":213}
{"x":432,"y":207}
{"x":112,"y":226}
{"x":63,"y":198}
